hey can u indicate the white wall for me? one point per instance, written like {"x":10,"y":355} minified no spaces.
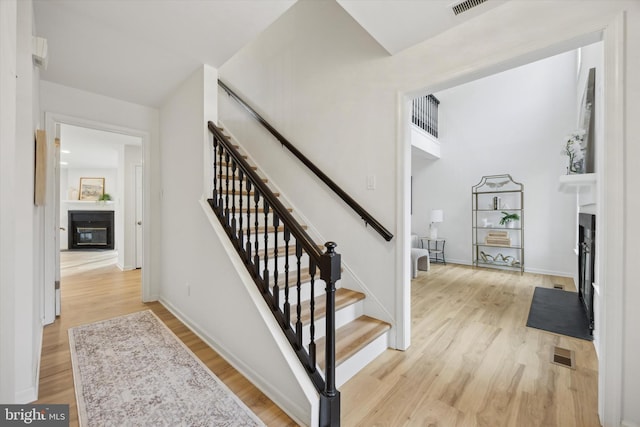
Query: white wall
{"x":198,"y":279}
{"x":335,"y":93}
{"x":509,"y":123}
{"x":8,"y":88}
{"x":20,"y":221}
{"x":321,"y":86}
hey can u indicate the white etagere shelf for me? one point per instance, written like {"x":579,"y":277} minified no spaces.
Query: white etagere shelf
{"x":497,"y":245}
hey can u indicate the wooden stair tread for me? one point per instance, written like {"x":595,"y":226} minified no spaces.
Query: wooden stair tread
{"x":224,"y":164}
{"x":244,"y":192}
{"x":253,"y":210}
{"x":352,"y":337}
{"x":237,"y":178}
{"x":269,"y":229}
{"x":281,"y":250}
{"x":344,"y":298}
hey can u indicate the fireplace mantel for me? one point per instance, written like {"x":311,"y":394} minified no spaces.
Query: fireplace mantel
{"x":578,"y":183}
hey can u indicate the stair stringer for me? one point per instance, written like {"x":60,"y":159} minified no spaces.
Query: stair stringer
{"x":372,"y":305}
{"x":304,"y":416}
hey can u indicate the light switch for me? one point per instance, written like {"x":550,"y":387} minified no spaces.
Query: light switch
{"x":371,"y":182}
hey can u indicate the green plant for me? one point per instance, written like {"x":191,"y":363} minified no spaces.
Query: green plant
{"x":508,"y":217}
{"x":105,"y":197}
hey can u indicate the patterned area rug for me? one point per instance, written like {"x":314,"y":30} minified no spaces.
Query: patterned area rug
{"x":133,"y":371}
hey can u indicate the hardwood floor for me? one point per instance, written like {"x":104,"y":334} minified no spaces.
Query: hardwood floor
{"x":96,"y":290}
{"x":473,"y":362}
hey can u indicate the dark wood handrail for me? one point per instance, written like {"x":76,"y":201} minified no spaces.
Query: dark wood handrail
{"x":296,"y":229}
{"x":366,"y":216}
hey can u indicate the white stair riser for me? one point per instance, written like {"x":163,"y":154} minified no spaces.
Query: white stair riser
{"x":305,"y":292}
{"x":343,"y":316}
{"x":362,"y":358}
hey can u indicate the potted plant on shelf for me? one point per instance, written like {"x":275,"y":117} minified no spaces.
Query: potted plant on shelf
{"x":106,"y":197}
{"x":508,"y":219}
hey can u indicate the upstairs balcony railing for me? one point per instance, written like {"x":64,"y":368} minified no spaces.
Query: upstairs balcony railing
{"x":425,"y":114}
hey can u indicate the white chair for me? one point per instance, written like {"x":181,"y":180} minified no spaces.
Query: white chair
{"x":418,"y":253}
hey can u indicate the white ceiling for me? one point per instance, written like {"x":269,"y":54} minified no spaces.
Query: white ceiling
{"x":140,"y":50}
{"x":400,"y":24}
{"x":90,"y":148}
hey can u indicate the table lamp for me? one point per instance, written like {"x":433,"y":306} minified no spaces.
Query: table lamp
{"x":437,"y":215}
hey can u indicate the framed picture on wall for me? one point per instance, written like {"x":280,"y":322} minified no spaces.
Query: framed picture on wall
{"x":91,"y":188}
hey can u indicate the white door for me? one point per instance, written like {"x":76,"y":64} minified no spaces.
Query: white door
{"x":138,"y":216}
{"x":56,"y":234}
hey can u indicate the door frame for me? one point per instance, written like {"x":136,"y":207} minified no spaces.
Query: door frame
{"x":611,"y":204}
{"x":139,"y":203}
{"x":52,"y":204}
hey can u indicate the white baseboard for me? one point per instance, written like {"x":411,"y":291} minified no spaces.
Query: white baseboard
{"x":27,"y":395}
{"x":256,"y":379}
{"x":526,"y":269}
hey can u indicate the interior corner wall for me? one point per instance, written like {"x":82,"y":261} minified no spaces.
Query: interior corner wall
{"x":631,"y":296}
{"x":512,"y":123}
{"x":199,"y":283}
{"x":8,"y":88}
{"x":29,"y":231}
{"x":325,"y":88}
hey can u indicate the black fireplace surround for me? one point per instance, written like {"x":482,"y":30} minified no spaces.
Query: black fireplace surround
{"x":586,"y":263}
{"x":90,"y":230}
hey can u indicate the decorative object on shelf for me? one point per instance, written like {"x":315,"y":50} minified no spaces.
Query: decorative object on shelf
{"x":437,"y":215}
{"x":106,"y":197}
{"x":498,"y":238}
{"x":586,"y":122}
{"x":508,"y":219}
{"x":91,"y":188}
{"x":497,"y":205}
{"x":574,"y":148}
{"x":499,"y":259}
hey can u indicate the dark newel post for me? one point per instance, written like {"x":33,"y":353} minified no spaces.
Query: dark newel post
{"x":330,"y":397}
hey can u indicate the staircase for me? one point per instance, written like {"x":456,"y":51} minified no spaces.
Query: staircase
{"x":325,"y":324}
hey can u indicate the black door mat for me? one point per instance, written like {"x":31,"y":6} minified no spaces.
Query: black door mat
{"x":560,"y":312}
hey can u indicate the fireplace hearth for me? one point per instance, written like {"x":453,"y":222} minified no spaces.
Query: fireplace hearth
{"x":91,"y":230}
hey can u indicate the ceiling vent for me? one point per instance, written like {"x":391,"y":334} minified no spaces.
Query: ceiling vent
{"x":466,"y":5}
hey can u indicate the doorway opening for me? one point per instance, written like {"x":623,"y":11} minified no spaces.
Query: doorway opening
{"x":97,"y":176}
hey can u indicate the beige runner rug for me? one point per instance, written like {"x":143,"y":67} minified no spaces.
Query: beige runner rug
{"x":133,"y":371}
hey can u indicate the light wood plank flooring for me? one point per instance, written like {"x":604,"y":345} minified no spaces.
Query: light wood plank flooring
{"x":95,"y":290}
{"x":473,"y":362}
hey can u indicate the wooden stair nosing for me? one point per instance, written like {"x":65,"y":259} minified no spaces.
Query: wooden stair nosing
{"x":269,"y":229}
{"x":224,"y":164}
{"x":344,"y":298}
{"x":352,"y":337}
{"x":237,"y":178}
{"x":253,"y":210}
{"x":281,"y":250}
{"x":244,"y":192}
